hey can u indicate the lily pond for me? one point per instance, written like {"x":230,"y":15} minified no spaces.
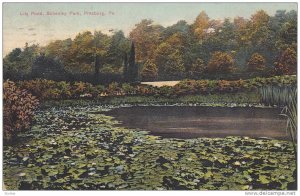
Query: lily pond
{"x":93,"y":148}
{"x":193,"y":122}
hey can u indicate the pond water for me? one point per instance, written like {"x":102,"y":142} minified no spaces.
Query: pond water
{"x":79,"y":148}
{"x":194,"y":121}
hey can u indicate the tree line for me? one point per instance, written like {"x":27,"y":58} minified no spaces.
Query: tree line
{"x":208,"y":48}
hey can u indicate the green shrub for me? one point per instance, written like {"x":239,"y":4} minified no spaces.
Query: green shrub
{"x":187,"y":87}
{"x":127,"y":89}
{"x":64,"y":89}
{"x":113,"y":89}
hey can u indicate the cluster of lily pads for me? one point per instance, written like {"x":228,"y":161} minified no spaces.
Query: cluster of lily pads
{"x":81,"y":148}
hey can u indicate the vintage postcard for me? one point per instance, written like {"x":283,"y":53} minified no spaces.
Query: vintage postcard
{"x":150,"y":96}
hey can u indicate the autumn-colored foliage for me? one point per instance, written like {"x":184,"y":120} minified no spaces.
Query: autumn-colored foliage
{"x":113,"y":89}
{"x":224,"y":86}
{"x":287,"y":62}
{"x":259,"y":28}
{"x":51,"y":90}
{"x":18,"y":110}
{"x":201,"y":25}
{"x":146,"y":36}
{"x":174,"y":49}
{"x":47,"y":89}
{"x":256,"y":63}
{"x":221,"y":62}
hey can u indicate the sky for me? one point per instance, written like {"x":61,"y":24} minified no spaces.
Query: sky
{"x":22,"y":22}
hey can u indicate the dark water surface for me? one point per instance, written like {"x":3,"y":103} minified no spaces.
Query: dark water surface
{"x":192,"y":122}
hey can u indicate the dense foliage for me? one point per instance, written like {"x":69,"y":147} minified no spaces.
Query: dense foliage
{"x":48,"y":89}
{"x":18,"y":108}
{"x":149,"y":72}
{"x":256,"y":63}
{"x":204,"y":49}
{"x":220,"y":62}
{"x":287,"y":62}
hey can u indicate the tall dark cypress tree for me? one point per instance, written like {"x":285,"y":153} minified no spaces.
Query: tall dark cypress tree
{"x":96,"y":61}
{"x":132,"y":68}
{"x":125,"y":70}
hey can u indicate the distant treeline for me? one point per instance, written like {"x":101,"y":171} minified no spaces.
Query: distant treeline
{"x":206,"y":49}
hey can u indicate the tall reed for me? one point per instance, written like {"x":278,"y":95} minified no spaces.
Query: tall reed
{"x":286,"y":97}
{"x":277,"y":95}
{"x":290,"y":111}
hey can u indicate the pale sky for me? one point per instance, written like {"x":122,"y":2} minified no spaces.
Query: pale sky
{"x":19,"y":28}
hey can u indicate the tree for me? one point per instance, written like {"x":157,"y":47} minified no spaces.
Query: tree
{"x":239,"y":23}
{"x":175,"y":50}
{"x":182,"y":37}
{"x":125,"y":69}
{"x":287,"y":62}
{"x":14,"y":55}
{"x":259,"y":27}
{"x":48,"y":68}
{"x":224,"y":39}
{"x":243,"y":46}
{"x":227,"y":33}
{"x":149,"y":71}
{"x":132,"y":66}
{"x":27,"y":56}
{"x":169,"y":60}
{"x":285,"y":28}
{"x":252,"y":36}
{"x":221,"y":62}
{"x":174,"y":66}
{"x":171,"y":55}
{"x":181,"y":27}
{"x":117,"y":46}
{"x":101,"y":44}
{"x":59,"y":49}
{"x":256,"y":63}
{"x":198,"y":68}
{"x":81,"y":55}
{"x":12,"y":62}
{"x":146,"y":36}
{"x":17,"y":63}
{"x":291,"y":30}
{"x":201,"y":25}
{"x":88,"y":52}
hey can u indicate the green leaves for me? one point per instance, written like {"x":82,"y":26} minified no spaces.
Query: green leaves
{"x":208,"y":175}
{"x":110,"y":157}
{"x":264,"y":179}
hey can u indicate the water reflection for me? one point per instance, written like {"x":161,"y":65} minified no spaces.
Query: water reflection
{"x":191,"y":122}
